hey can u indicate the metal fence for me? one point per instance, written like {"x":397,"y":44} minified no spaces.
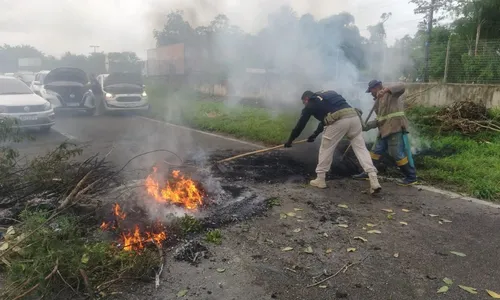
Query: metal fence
{"x":461,"y":61}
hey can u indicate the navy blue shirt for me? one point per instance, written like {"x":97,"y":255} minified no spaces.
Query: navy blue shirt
{"x":319,"y":106}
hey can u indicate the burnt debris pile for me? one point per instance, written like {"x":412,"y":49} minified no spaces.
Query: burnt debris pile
{"x":284,"y":166}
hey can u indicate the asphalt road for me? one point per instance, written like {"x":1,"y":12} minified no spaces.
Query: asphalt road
{"x":474,"y":230}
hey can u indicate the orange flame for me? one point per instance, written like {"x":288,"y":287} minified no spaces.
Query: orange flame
{"x":180,"y":191}
{"x":134,"y":240}
{"x":118,"y":213}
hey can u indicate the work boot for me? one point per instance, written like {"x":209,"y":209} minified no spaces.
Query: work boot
{"x":319,"y":182}
{"x":362,"y":176}
{"x":375,"y":187}
{"x":410,"y":175}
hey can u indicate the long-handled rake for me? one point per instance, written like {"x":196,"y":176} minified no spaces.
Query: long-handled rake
{"x":222,"y":168}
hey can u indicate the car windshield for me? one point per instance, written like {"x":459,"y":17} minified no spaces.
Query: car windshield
{"x":12,"y":86}
{"x":27,"y":77}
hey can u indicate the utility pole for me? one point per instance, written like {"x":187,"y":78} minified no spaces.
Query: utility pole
{"x":447,"y":61}
{"x":428,"y":42}
{"x":95,"y":48}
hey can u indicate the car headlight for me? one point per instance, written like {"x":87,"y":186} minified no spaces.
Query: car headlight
{"x":3,"y":109}
{"x":144,"y":94}
{"x":47,"y":106}
{"x":108,"y":95}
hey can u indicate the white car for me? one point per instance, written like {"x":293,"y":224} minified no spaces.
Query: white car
{"x":123,"y":91}
{"x":37,"y":83}
{"x":18,"y":102}
{"x":25,"y":76}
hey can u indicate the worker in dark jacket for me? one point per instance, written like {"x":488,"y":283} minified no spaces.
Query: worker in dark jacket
{"x":392,"y":126}
{"x":337,"y":119}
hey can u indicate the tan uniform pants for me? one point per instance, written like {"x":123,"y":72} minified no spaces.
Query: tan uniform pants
{"x":333,"y":134}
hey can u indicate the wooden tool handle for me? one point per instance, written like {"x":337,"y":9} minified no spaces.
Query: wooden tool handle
{"x":257,"y":151}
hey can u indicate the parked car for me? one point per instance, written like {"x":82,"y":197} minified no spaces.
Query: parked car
{"x":37,"y":83}
{"x":123,"y":91}
{"x":18,"y":102}
{"x":25,"y":76}
{"x":70,"y":89}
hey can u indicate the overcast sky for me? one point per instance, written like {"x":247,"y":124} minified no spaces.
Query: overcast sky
{"x":56,"y":26}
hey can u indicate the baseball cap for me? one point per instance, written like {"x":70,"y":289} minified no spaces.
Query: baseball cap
{"x":308,"y":94}
{"x":373,"y":84}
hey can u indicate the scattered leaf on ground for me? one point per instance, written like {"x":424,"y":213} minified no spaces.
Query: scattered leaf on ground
{"x":371,"y":225}
{"x":351,"y":249}
{"x":390,"y":216}
{"x":443,"y":289}
{"x":287,"y":249}
{"x":403,"y":223}
{"x":405,"y":210}
{"x":325,"y":234}
{"x":309,"y":250}
{"x":468,"y":289}
{"x":448,"y":281}
{"x":360,"y":238}
{"x":440,"y":223}
{"x":291,"y":214}
{"x":432,"y":215}
{"x":387,"y":210}
{"x":445,"y":221}
{"x":269,"y":241}
{"x":298,"y":209}
{"x":221,"y":270}
{"x":182,"y":293}
{"x":10,"y":231}
{"x":343,"y":206}
{"x":322,"y":286}
{"x":374,"y":231}
{"x":343,"y":225}
{"x":458,"y":253}
{"x":493,"y":294}
{"x":16,"y":249}
{"x":396,"y":255}
{"x":297,"y":230}
{"x":282,"y":216}
{"x":4,"y":246}
{"x":85,"y":258}
{"x":329,"y":250}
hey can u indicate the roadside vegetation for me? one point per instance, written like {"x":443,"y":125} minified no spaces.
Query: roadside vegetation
{"x":467,"y":162}
{"x":51,"y":245}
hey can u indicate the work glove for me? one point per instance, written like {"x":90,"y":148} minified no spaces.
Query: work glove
{"x":370,"y":125}
{"x":288,"y":144}
{"x":311,"y":139}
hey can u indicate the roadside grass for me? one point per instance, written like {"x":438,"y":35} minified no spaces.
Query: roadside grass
{"x":212,"y":114}
{"x":471,"y":164}
{"x":468,"y":164}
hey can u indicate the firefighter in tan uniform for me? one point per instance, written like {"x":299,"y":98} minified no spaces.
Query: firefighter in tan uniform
{"x":337,"y":119}
{"x":392,"y":125}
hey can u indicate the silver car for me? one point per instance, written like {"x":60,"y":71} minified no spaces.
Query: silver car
{"x":122,"y":91}
{"x":18,"y":102}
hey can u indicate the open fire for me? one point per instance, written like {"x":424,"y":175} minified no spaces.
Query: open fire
{"x":178,"y":190}
{"x":181,"y":191}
